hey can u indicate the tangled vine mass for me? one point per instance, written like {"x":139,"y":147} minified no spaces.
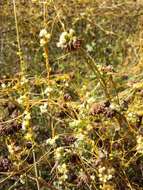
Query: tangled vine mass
{"x":71,"y":95}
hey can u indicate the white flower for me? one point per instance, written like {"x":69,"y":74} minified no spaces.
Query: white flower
{"x":63,"y":37}
{"x":10,"y":149}
{"x":43,"y":33}
{"x":43,"y":108}
{"x":66,"y":84}
{"x":75,"y":123}
{"x":63,"y":168}
{"x":114,"y":106}
{"x":139,"y":144}
{"x":71,"y":31}
{"x":48,"y":36}
{"x":58,"y":153}
{"x":59,"y":44}
{"x":48,"y":90}
{"x":109,"y":177}
{"x":65,"y":176}
{"x":21,"y":99}
{"x":80,"y":137}
{"x":25,"y":124}
{"x":23,"y":80}
{"x":89,"y":48}
{"x":101,"y":170}
{"x":27,"y":115}
{"x":43,"y":42}
{"x":52,"y":141}
{"x":3,"y":85}
{"x":45,"y":36}
{"x":26,"y":120}
{"x":22,"y":179}
{"x":67,"y":39}
{"x":105,"y":174}
{"x":92,"y":177}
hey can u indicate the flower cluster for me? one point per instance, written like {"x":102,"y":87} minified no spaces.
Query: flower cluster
{"x":22,"y":99}
{"x":48,"y":90}
{"x":59,"y":153}
{"x":132,"y":117}
{"x":84,"y":145}
{"x":26,"y":120}
{"x":62,"y":169}
{"x":139,"y":147}
{"x":44,"y":37}
{"x":69,"y":41}
{"x":105,"y":174}
{"x":3,"y":85}
{"x":52,"y":141}
{"x":23,"y":81}
{"x":43,"y":108}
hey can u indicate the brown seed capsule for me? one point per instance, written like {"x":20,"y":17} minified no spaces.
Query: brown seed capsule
{"x":106,"y":103}
{"x":102,"y":108}
{"x":107,"y":69}
{"x":61,"y":114}
{"x":77,"y":44}
{"x":68,"y":140}
{"x":5,"y":165}
{"x":97,"y":108}
{"x":10,"y":130}
{"x":67,"y":97}
{"x":116,"y":145}
{"x":11,"y":107}
{"x":28,"y":145}
{"x":110,"y":113}
{"x":74,"y":158}
{"x":74,"y":45}
{"x":72,"y":176}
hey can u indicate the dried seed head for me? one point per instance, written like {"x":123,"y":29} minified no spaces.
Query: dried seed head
{"x":5,"y":164}
{"x":67,"y":97}
{"x":97,"y":108}
{"x":109,"y":113}
{"x":10,"y":130}
{"x":68,"y":140}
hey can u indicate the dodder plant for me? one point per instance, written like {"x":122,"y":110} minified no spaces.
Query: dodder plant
{"x":71,"y":116}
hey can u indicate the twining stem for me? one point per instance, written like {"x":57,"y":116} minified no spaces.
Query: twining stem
{"x":18,"y":38}
{"x":47,"y":62}
{"x":46,"y":54}
{"x":16,"y":25}
{"x":115,"y":88}
{"x":36,"y":170}
{"x":44,"y":12}
{"x":96,"y":71}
